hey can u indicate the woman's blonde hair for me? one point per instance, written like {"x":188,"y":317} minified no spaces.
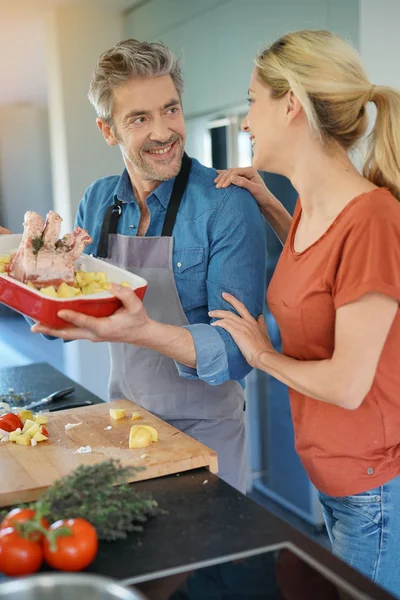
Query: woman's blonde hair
{"x":326,"y":75}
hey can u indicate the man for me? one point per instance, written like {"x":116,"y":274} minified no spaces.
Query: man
{"x":164,"y":219}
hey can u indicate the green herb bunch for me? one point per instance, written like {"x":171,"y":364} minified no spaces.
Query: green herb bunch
{"x":101,"y":495}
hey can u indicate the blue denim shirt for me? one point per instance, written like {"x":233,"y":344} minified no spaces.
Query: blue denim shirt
{"x":219,"y":245}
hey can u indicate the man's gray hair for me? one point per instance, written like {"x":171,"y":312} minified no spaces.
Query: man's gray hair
{"x":127,"y":60}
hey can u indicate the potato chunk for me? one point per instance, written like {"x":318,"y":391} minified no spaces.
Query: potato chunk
{"x":23,"y":440}
{"x":32,"y":431}
{"x":49,"y":291}
{"x":67,"y":291}
{"x":139,"y":437}
{"x":25,"y":415}
{"x":117,"y":413}
{"x":92,"y":288}
{"x":28,"y":424}
{"x":40,"y":419}
{"x":39,"y":437}
{"x":14,"y":434}
{"x":153,"y":432}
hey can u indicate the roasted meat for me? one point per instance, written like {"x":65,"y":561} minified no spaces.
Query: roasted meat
{"x":42,"y":258}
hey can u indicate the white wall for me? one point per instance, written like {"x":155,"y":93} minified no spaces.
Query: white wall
{"x":380,"y":40}
{"x":77,"y":35}
{"x":219,"y":39}
{"x":25,"y":178}
{"x":76,"y":38}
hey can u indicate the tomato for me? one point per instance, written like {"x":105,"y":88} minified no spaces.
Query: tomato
{"x":44,"y":431}
{"x":73,"y":552}
{"x":10,"y":422}
{"x":18,"y":556}
{"x":21,"y":515}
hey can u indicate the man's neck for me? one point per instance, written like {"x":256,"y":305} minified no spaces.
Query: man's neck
{"x":141,"y":187}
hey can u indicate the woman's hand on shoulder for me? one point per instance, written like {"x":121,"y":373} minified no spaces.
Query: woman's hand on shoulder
{"x":248,"y":178}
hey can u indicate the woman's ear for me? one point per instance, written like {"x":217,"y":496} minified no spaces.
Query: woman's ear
{"x":293,"y":106}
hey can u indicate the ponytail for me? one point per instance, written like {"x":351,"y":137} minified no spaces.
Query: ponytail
{"x":382,"y":165}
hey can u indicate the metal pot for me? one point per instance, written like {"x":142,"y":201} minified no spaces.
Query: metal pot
{"x":66,"y":586}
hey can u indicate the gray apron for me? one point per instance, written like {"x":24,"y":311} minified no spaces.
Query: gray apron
{"x":214,"y":415}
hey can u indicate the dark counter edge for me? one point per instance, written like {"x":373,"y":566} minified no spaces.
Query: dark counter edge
{"x":235,"y":527}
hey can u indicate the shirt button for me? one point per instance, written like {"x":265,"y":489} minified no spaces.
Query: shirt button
{"x":179,"y":264}
{"x":378,"y":498}
{"x":370,"y":471}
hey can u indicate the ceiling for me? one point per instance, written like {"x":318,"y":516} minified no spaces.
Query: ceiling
{"x":22,"y":45}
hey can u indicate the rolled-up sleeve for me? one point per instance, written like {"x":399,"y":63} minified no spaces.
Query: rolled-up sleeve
{"x":211,"y":356}
{"x":237,"y":264}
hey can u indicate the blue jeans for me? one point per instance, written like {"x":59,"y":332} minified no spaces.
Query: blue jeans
{"x":364,"y":531}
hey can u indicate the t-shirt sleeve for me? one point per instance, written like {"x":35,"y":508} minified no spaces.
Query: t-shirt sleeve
{"x":370,"y":260}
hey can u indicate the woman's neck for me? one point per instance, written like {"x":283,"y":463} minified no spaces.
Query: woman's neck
{"x":326,"y":180}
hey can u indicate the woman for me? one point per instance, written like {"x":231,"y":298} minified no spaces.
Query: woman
{"x":336,"y":289}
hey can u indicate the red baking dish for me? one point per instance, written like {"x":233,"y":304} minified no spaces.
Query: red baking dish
{"x":44,"y":309}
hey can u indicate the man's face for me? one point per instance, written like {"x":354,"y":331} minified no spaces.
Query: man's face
{"x":148,"y":125}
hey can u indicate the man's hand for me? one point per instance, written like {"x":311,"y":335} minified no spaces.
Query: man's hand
{"x":129,"y":324}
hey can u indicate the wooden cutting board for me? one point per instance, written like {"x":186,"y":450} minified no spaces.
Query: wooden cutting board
{"x":26,"y":471}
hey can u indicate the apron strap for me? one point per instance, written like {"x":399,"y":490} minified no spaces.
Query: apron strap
{"x":109,"y":225}
{"x":176,"y":196}
{"x":113,"y":213}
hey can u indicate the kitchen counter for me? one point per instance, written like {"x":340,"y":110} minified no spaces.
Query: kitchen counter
{"x":39,"y":380}
{"x":206,"y":522}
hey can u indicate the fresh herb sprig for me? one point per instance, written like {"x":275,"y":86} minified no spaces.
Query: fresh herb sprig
{"x":100,"y":494}
{"x":37,"y":243}
{"x":13,"y":397}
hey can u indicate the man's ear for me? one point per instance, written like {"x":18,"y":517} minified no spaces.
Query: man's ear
{"x":293,"y":106}
{"x":107,"y":132}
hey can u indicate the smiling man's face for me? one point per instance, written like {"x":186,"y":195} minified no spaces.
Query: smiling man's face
{"x":149,"y":127}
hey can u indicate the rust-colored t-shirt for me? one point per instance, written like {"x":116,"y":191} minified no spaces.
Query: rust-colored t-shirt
{"x":344,"y":452}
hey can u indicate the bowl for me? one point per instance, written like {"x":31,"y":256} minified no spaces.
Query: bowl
{"x":66,"y":586}
{"x":44,"y":309}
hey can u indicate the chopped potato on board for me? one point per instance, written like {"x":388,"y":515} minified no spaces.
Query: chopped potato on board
{"x":153,"y":432}
{"x":139,"y":437}
{"x":28,"y":424}
{"x":23,"y":440}
{"x":27,"y":414}
{"x":117,"y":413}
{"x":39,"y":419}
{"x":39,"y":437}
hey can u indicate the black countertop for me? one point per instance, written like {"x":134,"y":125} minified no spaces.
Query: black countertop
{"x":39,"y":380}
{"x":206,"y":521}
